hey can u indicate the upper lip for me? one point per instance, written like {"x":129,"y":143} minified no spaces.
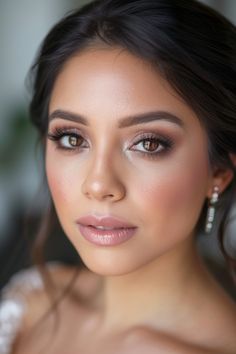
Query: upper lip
{"x":105,"y":221}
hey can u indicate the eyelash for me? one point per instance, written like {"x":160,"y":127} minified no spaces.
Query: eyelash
{"x":58,"y":133}
{"x":166,"y":142}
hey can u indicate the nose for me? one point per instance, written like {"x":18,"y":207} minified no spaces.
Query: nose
{"x":103,"y":183}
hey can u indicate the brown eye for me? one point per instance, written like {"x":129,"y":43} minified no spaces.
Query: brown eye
{"x":150,"y":144}
{"x":66,"y":139}
{"x":74,"y":141}
{"x":71,"y":141}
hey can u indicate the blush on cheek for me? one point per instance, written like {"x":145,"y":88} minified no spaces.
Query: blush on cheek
{"x":175,"y":202}
{"x":59,"y":187}
{"x":62,"y":177}
{"x":55,"y":179}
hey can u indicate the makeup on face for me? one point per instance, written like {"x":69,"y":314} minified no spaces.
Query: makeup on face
{"x":105,"y":230}
{"x":122,"y":144}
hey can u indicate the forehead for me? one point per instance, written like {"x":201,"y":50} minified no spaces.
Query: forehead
{"x":114,"y":83}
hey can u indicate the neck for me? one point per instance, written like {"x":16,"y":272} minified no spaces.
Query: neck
{"x":152,"y":294}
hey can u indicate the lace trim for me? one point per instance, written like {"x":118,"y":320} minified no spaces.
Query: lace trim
{"x":13,"y":304}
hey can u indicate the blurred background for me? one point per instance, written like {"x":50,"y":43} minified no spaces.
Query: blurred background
{"x":23,"y":25}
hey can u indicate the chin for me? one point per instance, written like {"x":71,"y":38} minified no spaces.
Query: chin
{"x":106,"y":267}
{"x":105,"y":262}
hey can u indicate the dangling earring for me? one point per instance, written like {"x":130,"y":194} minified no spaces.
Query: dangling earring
{"x":211,"y":210}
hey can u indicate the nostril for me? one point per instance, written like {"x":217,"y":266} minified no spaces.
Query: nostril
{"x":109,"y":195}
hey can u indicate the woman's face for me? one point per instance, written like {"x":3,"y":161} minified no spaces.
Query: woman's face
{"x":153,"y":173}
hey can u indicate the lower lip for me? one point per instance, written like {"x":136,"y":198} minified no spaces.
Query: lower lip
{"x":106,"y":237}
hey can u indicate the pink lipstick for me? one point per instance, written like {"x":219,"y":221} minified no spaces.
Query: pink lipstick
{"x":105,"y":230}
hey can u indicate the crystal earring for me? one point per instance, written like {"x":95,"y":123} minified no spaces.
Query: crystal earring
{"x":211,"y":210}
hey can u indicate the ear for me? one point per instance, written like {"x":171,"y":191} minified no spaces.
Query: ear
{"x":221,"y":177}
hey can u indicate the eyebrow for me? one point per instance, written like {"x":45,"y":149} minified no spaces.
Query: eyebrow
{"x":123,"y":122}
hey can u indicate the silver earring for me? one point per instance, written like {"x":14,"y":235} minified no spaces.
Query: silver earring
{"x":211,"y":210}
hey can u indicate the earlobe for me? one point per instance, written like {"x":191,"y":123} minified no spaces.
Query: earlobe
{"x":220,"y":178}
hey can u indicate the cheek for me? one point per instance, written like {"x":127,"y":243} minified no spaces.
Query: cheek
{"x":173,"y":196}
{"x":58,"y":186}
{"x":63,"y":180}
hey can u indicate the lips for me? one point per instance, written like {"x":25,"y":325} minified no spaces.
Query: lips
{"x":105,"y":230}
{"x":104,"y":222}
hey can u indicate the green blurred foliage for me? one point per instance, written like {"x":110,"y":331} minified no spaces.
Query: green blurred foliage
{"x":20,"y":136}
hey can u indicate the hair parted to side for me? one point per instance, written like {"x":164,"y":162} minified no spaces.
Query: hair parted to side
{"x":192,"y":46}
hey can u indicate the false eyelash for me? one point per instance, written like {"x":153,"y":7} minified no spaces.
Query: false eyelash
{"x":145,"y":136}
{"x":166,"y":142}
{"x":59,"y":132}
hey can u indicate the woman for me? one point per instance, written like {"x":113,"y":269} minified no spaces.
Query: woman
{"x":135,"y":103}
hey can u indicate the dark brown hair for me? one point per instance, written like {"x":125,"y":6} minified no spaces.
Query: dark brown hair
{"x":190,"y":44}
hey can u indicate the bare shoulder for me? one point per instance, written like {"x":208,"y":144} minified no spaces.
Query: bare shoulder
{"x":210,"y":332}
{"x":70,"y":287}
{"x":154,"y":342}
{"x":68,"y":284}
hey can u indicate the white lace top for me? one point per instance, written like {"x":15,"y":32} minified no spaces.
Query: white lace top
{"x":13,"y":304}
